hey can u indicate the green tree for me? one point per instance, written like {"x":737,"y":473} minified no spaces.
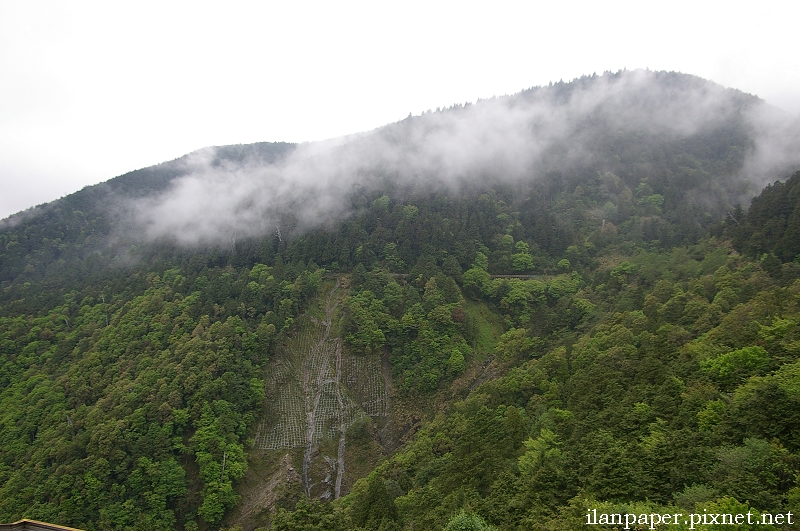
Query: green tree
{"x":467,"y":522}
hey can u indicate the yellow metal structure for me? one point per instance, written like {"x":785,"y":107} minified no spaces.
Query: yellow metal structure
{"x":33,"y":525}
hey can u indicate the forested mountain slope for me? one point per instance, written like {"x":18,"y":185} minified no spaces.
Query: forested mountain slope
{"x":772,"y":223}
{"x":675,"y":392}
{"x":531,"y":277}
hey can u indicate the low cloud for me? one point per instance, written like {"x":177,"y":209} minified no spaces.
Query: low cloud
{"x":508,"y":138}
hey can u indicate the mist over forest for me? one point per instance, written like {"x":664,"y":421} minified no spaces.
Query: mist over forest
{"x":499,"y":315}
{"x":565,"y":128}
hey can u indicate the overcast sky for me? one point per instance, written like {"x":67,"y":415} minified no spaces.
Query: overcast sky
{"x":91,"y":90}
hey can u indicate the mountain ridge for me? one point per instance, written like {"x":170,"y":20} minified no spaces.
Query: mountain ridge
{"x":551,"y":295}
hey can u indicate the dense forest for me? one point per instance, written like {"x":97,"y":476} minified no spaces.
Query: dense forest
{"x":614,"y":332}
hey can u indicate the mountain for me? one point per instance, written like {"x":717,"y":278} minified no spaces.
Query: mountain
{"x":524,"y":308}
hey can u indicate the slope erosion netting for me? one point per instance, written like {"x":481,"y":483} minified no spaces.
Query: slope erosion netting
{"x":315,"y":391}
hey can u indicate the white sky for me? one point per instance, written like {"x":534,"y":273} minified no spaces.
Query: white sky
{"x":92,"y":90}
